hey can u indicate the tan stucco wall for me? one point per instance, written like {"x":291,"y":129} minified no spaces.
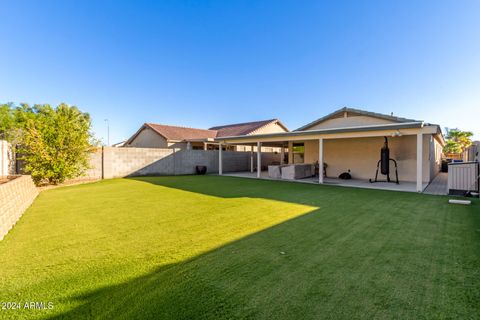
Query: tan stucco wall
{"x":147,"y":138}
{"x":350,"y":121}
{"x":270,"y":128}
{"x":435,"y":157}
{"x":361,"y":155}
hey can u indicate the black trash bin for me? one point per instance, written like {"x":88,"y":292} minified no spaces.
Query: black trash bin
{"x":445,"y":163}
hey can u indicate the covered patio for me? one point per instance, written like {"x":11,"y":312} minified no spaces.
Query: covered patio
{"x":355,"y":150}
{"x":354,"y":183}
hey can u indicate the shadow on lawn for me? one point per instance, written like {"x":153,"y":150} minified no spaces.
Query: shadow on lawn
{"x":298,"y":269}
{"x":299,"y":193}
{"x":221,"y":283}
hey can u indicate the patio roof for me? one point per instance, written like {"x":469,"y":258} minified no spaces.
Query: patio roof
{"x":330,"y":131}
{"x":391,"y":118}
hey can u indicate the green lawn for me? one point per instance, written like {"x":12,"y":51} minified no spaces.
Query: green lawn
{"x":207,"y":247}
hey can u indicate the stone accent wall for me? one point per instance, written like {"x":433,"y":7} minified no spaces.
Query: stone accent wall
{"x":15,"y":197}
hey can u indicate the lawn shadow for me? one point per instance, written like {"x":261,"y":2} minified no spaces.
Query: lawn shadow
{"x":302,"y":268}
{"x":287,"y":191}
{"x":237,"y":280}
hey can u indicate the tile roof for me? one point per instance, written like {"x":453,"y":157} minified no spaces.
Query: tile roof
{"x":240,"y":129}
{"x":181,"y":133}
{"x":176,"y":133}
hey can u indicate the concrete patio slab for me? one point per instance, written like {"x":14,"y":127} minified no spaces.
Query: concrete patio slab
{"x":402,"y":186}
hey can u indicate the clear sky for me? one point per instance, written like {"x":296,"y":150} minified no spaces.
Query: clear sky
{"x":205,"y":63}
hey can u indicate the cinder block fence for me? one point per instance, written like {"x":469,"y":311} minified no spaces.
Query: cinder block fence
{"x":15,"y":197}
{"x":109,"y":162}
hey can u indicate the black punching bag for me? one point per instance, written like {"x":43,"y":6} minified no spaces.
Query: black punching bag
{"x":385,"y":159}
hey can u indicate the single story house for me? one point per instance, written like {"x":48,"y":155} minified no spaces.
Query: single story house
{"x":350,"y":140}
{"x":151,"y":135}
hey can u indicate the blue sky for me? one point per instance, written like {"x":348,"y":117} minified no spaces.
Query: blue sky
{"x":206,"y":63}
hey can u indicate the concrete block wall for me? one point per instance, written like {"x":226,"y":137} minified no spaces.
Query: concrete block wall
{"x":186,"y":161}
{"x":15,"y":197}
{"x":123,"y":162}
{"x":110,"y":162}
{"x":95,"y":166}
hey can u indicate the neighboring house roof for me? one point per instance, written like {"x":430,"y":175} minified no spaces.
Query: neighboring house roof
{"x":175,"y":133}
{"x":242,"y":129}
{"x":119,"y":144}
{"x":338,"y":112}
{"x":181,"y":133}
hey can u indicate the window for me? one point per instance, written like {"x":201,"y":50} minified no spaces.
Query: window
{"x":298,"y":153}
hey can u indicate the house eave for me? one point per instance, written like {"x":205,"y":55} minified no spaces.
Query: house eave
{"x":358,"y":111}
{"x":285,"y":135}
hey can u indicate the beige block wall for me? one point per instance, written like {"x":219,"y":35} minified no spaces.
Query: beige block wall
{"x":361,"y":155}
{"x":15,"y":197}
{"x":121,"y":162}
{"x":94,"y":170}
{"x":350,"y":121}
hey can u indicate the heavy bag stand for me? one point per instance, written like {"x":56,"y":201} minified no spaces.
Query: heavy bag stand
{"x":384,"y":164}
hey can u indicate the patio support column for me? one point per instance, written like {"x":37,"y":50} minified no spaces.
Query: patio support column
{"x":282,"y":154}
{"x":251,"y":159}
{"x":320,"y":160}
{"x":259,"y":159}
{"x":220,"y":162}
{"x":419,"y":162}
{"x":290,"y":152}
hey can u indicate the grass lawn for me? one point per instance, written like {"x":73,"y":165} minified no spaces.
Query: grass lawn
{"x":208,"y":247}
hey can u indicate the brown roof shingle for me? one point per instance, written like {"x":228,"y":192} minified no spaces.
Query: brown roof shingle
{"x":176,"y":133}
{"x":181,"y":133}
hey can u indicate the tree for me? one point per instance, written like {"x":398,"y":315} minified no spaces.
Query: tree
{"x":7,"y":121}
{"x":457,"y":141}
{"x":13,"y":120}
{"x":55,"y":142}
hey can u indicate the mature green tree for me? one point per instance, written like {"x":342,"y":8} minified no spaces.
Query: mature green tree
{"x":13,"y":120}
{"x":7,"y":121}
{"x":55,"y":142}
{"x":457,"y":141}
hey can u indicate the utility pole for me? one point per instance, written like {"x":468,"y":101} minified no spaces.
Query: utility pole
{"x":108,"y":132}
